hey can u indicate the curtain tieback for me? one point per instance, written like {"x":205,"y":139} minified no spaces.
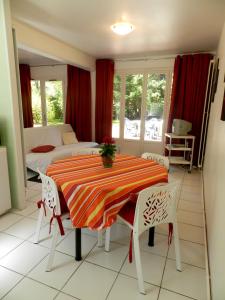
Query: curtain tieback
{"x":59,"y":221}
{"x":41,"y":203}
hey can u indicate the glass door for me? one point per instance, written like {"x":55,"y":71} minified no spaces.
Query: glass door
{"x":140,"y":110}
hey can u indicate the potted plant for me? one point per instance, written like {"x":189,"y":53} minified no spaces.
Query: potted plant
{"x":107,"y":152}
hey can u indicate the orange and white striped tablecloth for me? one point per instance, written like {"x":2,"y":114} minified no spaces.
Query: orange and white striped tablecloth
{"x":95,"y":194}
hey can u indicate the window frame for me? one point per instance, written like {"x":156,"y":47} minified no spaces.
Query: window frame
{"x":145,"y":71}
{"x":43,"y":98}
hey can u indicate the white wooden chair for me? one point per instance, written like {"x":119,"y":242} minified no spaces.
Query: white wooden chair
{"x":51,"y":201}
{"x":160,"y":159}
{"x":155,"y":205}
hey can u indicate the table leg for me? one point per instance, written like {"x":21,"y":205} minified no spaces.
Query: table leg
{"x":78,"y":256}
{"x":151,"y":235}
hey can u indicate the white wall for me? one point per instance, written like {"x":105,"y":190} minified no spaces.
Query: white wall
{"x":41,"y":43}
{"x":10,"y":127}
{"x":214,"y":184}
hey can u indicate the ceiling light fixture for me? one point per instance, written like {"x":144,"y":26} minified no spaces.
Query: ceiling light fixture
{"x":122,"y":28}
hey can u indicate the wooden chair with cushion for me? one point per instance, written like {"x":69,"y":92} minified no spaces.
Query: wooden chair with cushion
{"x":155,"y":205}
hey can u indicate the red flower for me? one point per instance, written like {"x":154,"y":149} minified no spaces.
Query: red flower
{"x":108,"y":140}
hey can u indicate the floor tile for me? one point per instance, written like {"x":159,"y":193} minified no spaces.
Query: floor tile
{"x":8,"y":280}
{"x":45,"y":238}
{"x":195,"y":189}
{"x":8,"y":243}
{"x":29,"y":289}
{"x":191,"y":233}
{"x":67,"y":245}
{"x":112,"y":259}
{"x":8,"y":220}
{"x":98,"y":282}
{"x":190,"y":218}
{"x":30,"y":193}
{"x":195,"y":207}
{"x":192,"y":181}
{"x":160,"y":244}
{"x":191,"y":253}
{"x":22,"y":229}
{"x":167,"y":295}
{"x":36,"y":186}
{"x":24,"y":257}
{"x":126,"y":288}
{"x":62,"y":296}
{"x":162,"y":229}
{"x":120,"y":233}
{"x":30,"y":183}
{"x":62,"y":269}
{"x":191,"y":196}
{"x":152,"y":266}
{"x":35,"y":198}
{"x":35,"y":214}
{"x":30,"y":208}
{"x":190,"y":282}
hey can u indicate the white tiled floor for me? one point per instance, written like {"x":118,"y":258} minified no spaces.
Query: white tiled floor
{"x":103,"y":275}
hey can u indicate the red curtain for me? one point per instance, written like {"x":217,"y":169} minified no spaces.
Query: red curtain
{"x":25,"y":86}
{"x":188,"y":93}
{"x":78,"y":104}
{"x":104,"y":99}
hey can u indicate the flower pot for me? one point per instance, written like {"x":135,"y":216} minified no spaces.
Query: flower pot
{"x":107,"y":161}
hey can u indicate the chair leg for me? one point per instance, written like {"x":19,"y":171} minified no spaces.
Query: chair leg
{"x":177,"y":246}
{"x":53,"y":246}
{"x":138,"y":264}
{"x":100,"y":238}
{"x":107,"y":239}
{"x":38,"y":227}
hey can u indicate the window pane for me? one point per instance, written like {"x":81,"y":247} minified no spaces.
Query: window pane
{"x":156,"y":86}
{"x":132,"y":122}
{"x":116,"y":106}
{"x":54,"y":102}
{"x":36,"y":102}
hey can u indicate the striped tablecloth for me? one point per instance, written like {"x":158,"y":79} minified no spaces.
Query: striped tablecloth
{"x":95,"y":194}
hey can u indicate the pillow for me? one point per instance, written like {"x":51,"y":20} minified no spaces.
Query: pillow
{"x":43,"y":149}
{"x":69,"y":138}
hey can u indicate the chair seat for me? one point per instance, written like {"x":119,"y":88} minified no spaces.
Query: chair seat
{"x":127,"y":212}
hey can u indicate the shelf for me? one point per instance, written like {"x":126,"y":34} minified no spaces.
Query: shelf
{"x":177,"y":147}
{"x":178,"y":160}
{"x":174,"y":136}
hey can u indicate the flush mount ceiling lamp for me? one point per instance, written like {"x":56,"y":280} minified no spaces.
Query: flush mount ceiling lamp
{"x":122,"y":28}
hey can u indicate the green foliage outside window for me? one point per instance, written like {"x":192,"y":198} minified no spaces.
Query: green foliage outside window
{"x":156,"y":85}
{"x":54,"y":101}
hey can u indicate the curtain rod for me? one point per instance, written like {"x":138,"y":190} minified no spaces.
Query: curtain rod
{"x":159,"y":57}
{"x":48,"y":65}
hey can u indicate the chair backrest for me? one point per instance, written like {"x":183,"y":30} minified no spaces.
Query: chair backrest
{"x":50,"y":194}
{"x":156,"y":205}
{"x":160,"y":159}
{"x":87,"y":151}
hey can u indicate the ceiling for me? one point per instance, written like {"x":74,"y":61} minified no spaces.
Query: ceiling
{"x":161,"y":26}
{"x":32,"y":59}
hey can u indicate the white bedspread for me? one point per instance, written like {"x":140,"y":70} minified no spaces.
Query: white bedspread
{"x":35,"y":161}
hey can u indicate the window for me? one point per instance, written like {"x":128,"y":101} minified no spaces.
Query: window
{"x":156,"y":84}
{"x":116,"y":106}
{"x":54,"y":102}
{"x":138,"y":102}
{"x":36,"y":102}
{"x":133,"y":97}
{"x":47,"y":102}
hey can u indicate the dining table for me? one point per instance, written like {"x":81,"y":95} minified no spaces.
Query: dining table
{"x":95,"y":194}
